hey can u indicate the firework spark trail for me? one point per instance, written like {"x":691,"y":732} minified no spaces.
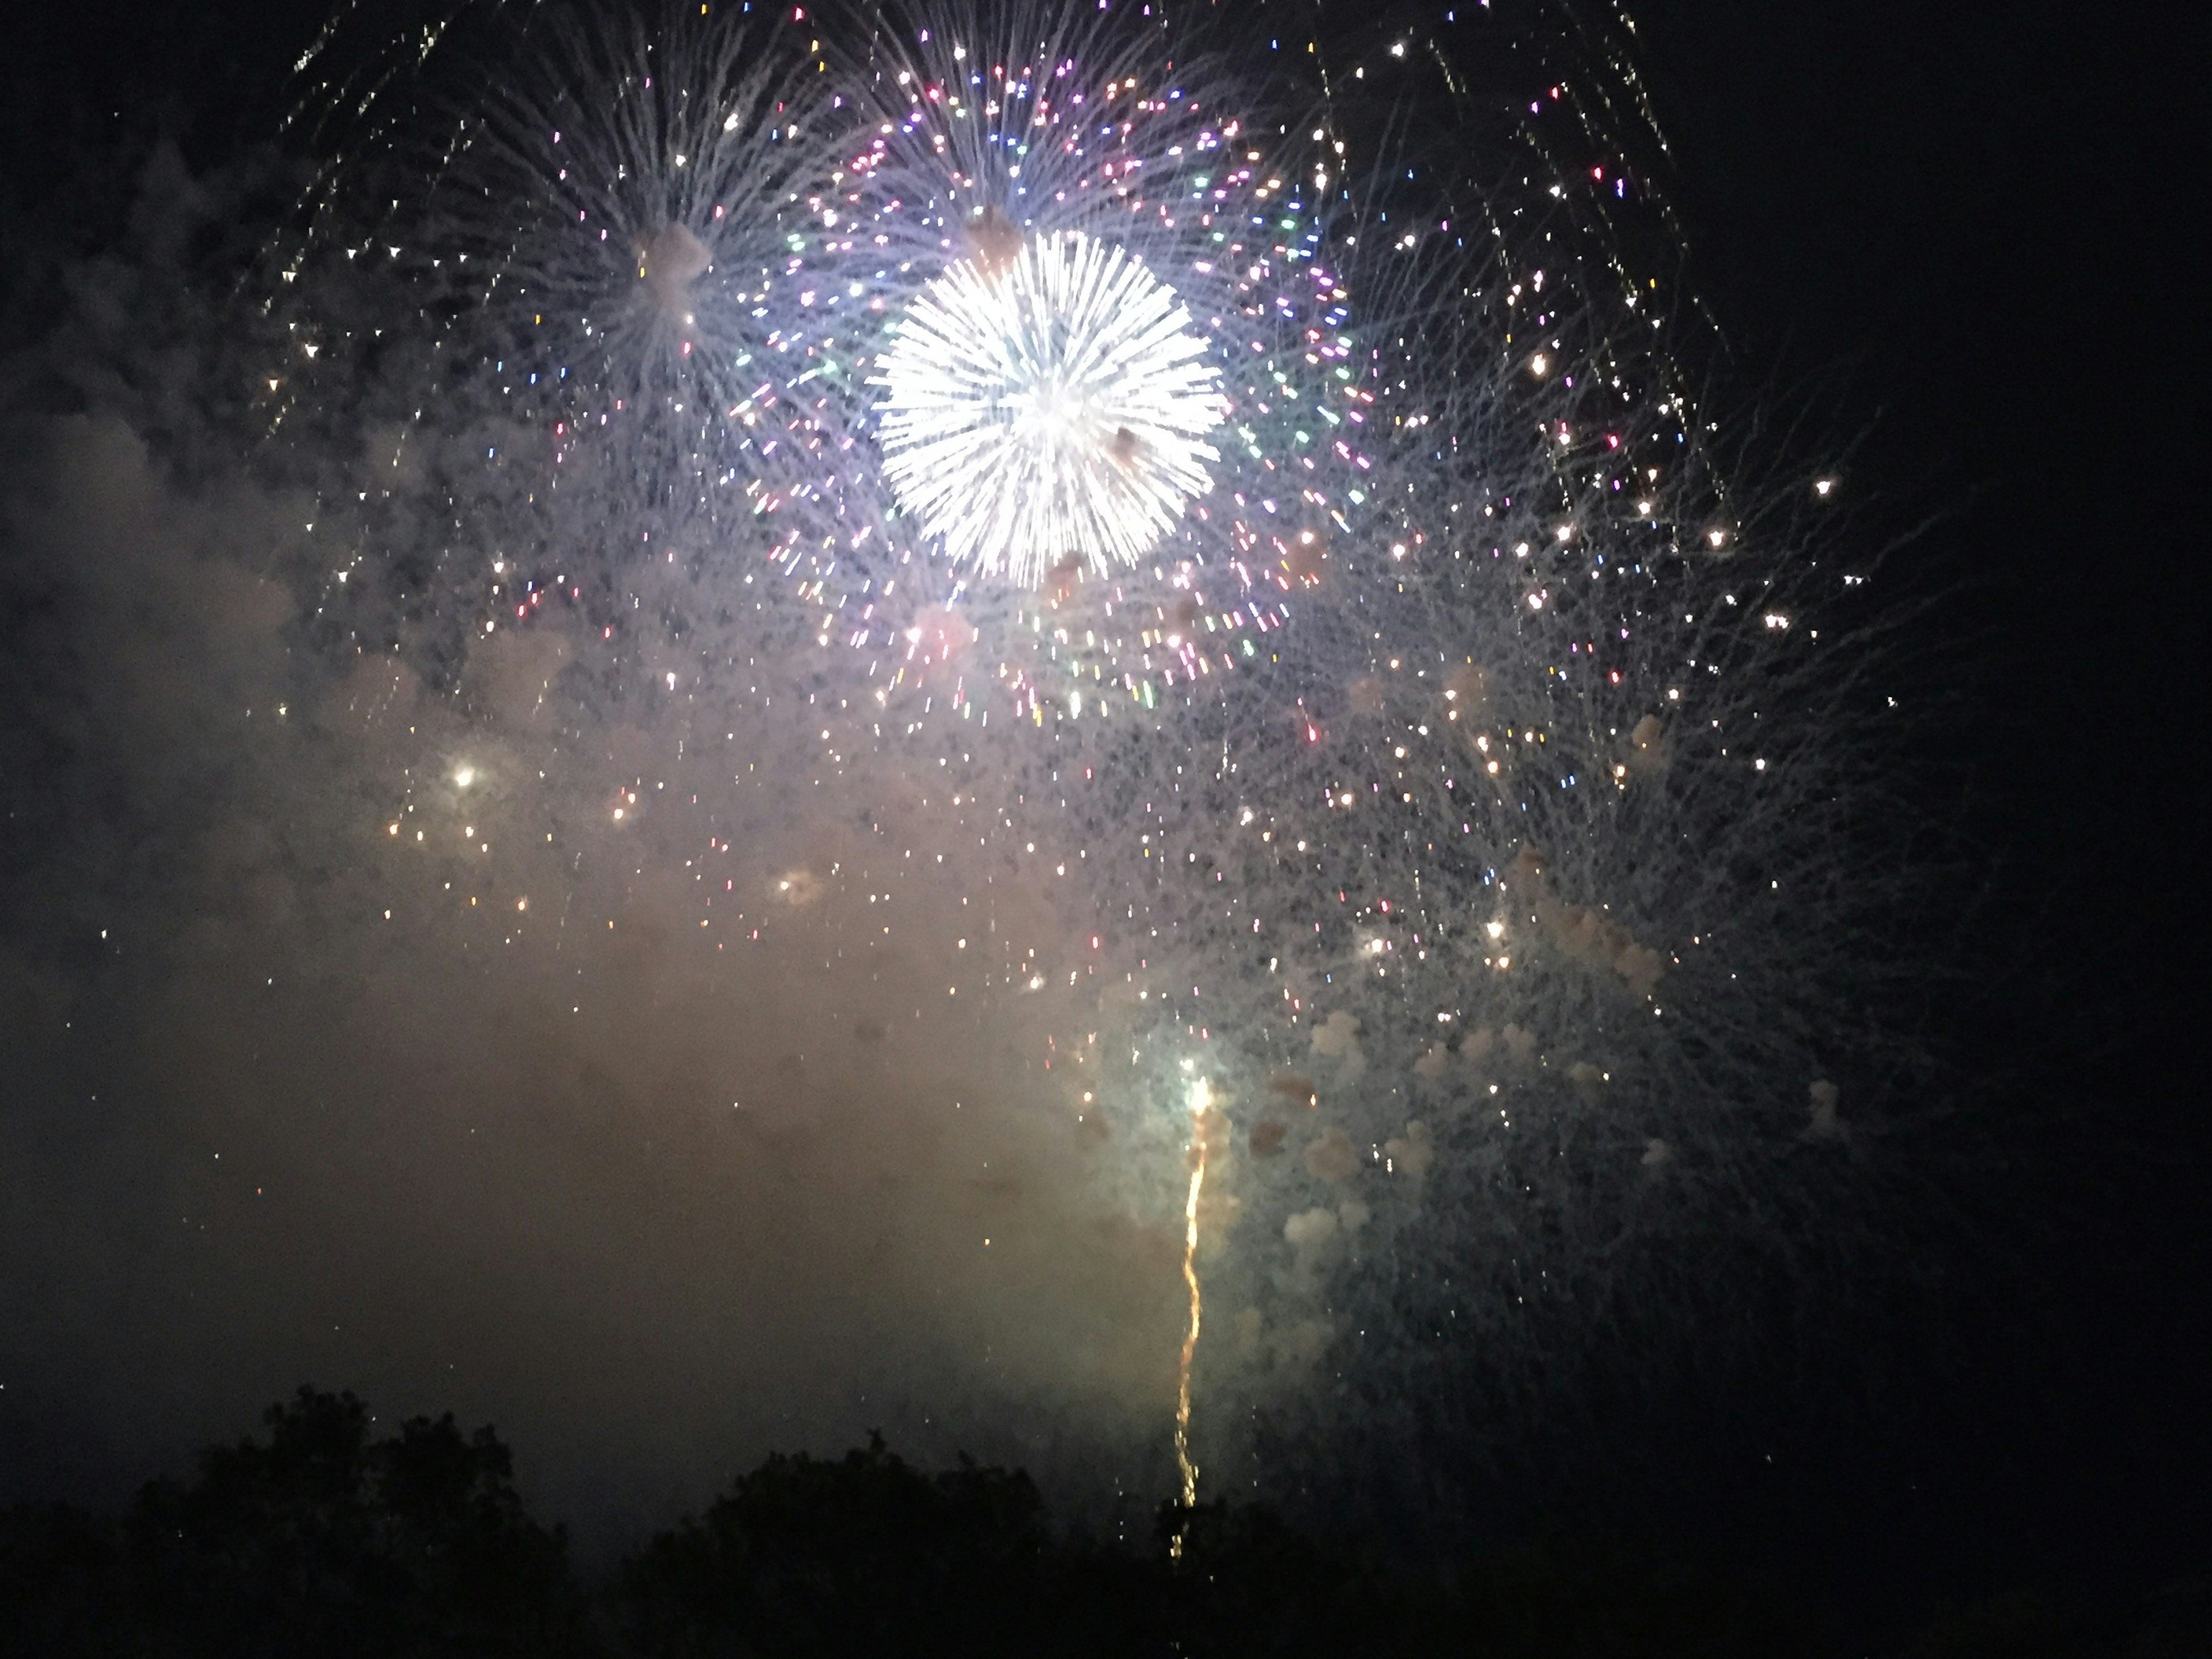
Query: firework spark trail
{"x":1201,"y":1095}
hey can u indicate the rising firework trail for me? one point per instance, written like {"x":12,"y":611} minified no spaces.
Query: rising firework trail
{"x":1200,"y":1128}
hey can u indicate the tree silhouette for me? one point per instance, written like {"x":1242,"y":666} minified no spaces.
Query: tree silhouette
{"x":863,"y":1553}
{"x":324,"y":1541}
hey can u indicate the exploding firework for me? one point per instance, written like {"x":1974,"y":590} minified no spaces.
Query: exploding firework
{"x":1096,"y":258}
{"x":587,"y":210}
{"x":1055,"y":408}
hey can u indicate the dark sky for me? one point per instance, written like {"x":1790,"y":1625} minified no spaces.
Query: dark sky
{"x":1963,"y":229}
{"x":1972,"y":209}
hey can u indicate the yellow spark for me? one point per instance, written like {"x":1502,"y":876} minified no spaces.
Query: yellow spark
{"x":1200,"y":1094}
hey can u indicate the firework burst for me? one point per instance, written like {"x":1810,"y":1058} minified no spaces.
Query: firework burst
{"x":617,"y":209}
{"x":588,"y":209}
{"x":1054,"y":408}
{"x":996,"y":167}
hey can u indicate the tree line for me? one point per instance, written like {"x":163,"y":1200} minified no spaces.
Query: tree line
{"x":326,"y":1538}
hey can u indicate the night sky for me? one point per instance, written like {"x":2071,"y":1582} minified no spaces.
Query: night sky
{"x":246,"y":1146}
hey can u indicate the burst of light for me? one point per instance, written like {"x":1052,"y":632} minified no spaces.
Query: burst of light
{"x":1056,"y":407}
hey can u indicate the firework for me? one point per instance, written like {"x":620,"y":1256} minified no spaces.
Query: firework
{"x":1002,"y":172}
{"x":1053,"y":409}
{"x":623,"y":201}
{"x":1477,"y":729}
{"x":588,"y":208}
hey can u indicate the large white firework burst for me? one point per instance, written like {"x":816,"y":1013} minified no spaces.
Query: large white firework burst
{"x":1047,"y":406}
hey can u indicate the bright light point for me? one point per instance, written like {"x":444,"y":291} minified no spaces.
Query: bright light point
{"x":466,"y":776}
{"x":1537,"y":365}
{"x":1714,"y":536}
{"x":1822,"y":486}
{"x":1055,"y":406}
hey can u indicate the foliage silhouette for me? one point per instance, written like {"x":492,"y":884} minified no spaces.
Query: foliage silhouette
{"x":326,"y":1539}
{"x":323,"y":1542}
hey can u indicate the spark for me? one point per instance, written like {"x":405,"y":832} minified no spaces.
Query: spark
{"x":1201,"y":1098}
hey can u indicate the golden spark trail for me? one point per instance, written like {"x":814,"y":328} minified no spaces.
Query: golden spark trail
{"x":1189,"y":1470}
{"x":1190,"y":1336}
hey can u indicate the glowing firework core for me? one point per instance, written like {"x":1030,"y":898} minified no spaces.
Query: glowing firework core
{"x":1052,"y":406}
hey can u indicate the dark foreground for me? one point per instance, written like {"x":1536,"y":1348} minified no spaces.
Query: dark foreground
{"x":324,"y":1541}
